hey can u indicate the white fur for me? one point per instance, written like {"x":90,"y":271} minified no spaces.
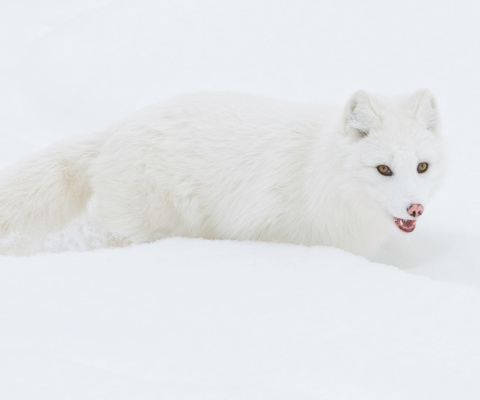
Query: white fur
{"x":228,"y":166}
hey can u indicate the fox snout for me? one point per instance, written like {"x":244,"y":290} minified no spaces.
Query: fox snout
{"x":415,"y":210}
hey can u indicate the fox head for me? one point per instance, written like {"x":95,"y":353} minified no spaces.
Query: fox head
{"x":394,"y":158}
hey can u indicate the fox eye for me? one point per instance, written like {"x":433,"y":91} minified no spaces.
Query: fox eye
{"x":385,"y":170}
{"x":422,"y":167}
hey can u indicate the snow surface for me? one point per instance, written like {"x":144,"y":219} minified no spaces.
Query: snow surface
{"x":195,"y":319}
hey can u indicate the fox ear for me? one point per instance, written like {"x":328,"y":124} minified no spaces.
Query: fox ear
{"x":359,"y":115}
{"x":426,"y":109}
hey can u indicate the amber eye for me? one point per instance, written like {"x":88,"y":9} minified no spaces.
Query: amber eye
{"x":422,"y":167}
{"x":384,"y":170}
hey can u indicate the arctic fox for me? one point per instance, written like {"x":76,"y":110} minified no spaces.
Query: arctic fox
{"x":231,"y":166}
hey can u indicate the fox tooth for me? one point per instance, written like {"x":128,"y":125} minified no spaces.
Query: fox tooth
{"x":401,"y":222}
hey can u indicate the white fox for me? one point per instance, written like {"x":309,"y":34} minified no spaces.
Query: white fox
{"x":230,"y":166}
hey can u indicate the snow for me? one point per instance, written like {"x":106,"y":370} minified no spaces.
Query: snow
{"x":196,"y":319}
{"x":201,"y":319}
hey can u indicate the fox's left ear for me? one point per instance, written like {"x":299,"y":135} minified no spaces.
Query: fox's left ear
{"x":426,"y":110}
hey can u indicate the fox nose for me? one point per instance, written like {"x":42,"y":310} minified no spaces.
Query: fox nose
{"x":415,"y":210}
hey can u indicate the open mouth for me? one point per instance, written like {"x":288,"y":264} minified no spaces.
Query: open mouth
{"x":406,"y":225}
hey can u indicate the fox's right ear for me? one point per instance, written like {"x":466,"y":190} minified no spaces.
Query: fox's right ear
{"x":359,"y":115}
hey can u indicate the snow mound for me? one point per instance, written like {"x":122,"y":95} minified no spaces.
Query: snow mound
{"x":185,"y":318}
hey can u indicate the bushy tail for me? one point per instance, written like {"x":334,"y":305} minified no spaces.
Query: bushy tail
{"x":43,"y":193}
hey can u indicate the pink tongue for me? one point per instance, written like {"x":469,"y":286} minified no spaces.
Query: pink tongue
{"x":406,"y":225}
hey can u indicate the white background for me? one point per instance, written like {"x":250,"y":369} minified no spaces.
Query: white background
{"x":192,"y":319}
